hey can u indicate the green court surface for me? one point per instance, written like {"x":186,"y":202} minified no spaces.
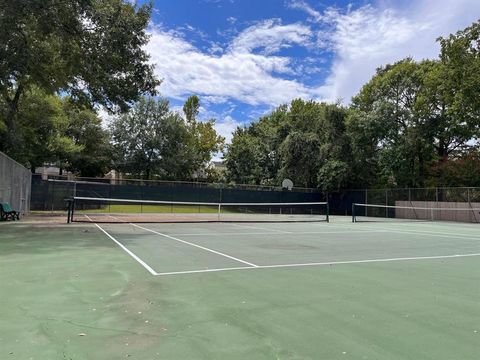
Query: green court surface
{"x":338,"y":290}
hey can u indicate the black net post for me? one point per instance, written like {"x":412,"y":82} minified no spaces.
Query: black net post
{"x":353,"y":212}
{"x":328,"y":211}
{"x":70,"y":206}
{"x":68,"y":210}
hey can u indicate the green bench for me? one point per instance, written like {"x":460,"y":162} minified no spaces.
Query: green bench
{"x":7,"y":213}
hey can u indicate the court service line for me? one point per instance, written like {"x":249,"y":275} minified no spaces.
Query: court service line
{"x":415,"y":258}
{"x":129,"y":252}
{"x":195,"y":245}
{"x":269,"y":233}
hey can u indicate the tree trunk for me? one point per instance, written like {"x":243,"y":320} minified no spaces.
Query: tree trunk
{"x":10,"y":120}
{"x":10,"y":138}
{"x":442,"y":152}
{"x":147,"y":172}
{"x":421,"y":168}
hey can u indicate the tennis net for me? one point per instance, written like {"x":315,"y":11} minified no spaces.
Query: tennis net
{"x":99,"y":210}
{"x":372,"y":212}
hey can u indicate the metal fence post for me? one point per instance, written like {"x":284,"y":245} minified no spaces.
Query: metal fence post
{"x":366,"y":201}
{"x":53,"y":196}
{"x":386,"y":203}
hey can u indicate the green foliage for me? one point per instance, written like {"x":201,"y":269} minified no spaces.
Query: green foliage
{"x":85,"y":129}
{"x":191,"y":108}
{"x":253,"y":157}
{"x":204,"y":142}
{"x":461,"y":171}
{"x":364,"y":133}
{"x":460,"y":56}
{"x":92,"y":50}
{"x":42,"y":126}
{"x":289,"y":143}
{"x":411,"y":115}
{"x":243,"y":159}
{"x":333,"y":175}
{"x":148,"y":139}
{"x":203,"y":139}
{"x":413,"y":124}
{"x":300,"y":158}
{"x":403,"y":110}
{"x":407,"y":127}
{"x":54,"y":130}
{"x":151,"y":141}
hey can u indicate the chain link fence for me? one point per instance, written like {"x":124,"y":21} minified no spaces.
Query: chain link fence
{"x":49,"y":193}
{"x":15,"y":184}
{"x":341,"y":202}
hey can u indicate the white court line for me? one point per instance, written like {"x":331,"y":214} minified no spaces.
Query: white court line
{"x":195,"y":245}
{"x":206,"y":270}
{"x":431,"y":233}
{"x":261,"y":228}
{"x":320,"y":264}
{"x":140,"y":261}
{"x":269,"y":233}
{"x":436,"y":225}
{"x":423,"y":223}
{"x":189,"y":243}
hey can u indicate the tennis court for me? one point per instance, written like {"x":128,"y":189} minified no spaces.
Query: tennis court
{"x":306,"y":290}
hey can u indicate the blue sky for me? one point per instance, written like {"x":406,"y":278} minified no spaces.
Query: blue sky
{"x":244,"y":57}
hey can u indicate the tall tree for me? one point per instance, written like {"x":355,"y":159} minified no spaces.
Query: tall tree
{"x":42,"y":127}
{"x":85,"y":129}
{"x":300,"y":158}
{"x":152,"y":141}
{"x":149,"y":139}
{"x":253,"y":157}
{"x":204,"y":140}
{"x":243,"y":158}
{"x":295,"y":142}
{"x":389,"y":103}
{"x":409,"y":111}
{"x":460,"y":57}
{"x":92,"y":50}
{"x":191,"y":108}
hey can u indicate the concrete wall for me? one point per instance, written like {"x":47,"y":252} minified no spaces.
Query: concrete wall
{"x":440,"y":211}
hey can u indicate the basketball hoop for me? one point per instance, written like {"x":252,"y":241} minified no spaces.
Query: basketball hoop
{"x":287,"y":184}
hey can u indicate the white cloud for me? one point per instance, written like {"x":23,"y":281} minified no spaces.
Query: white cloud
{"x":270,"y":35}
{"x":238,"y":73}
{"x":226,"y":127}
{"x":249,"y":69}
{"x":302,"y":5}
{"x":215,"y":48}
{"x":214,"y":99}
{"x":369,"y":37}
{"x":232,"y":20}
